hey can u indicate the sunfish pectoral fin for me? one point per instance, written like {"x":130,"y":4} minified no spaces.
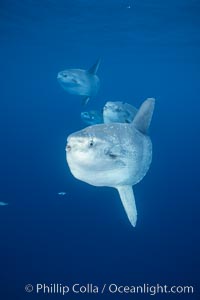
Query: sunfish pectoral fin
{"x":128,"y":201}
{"x":85,"y":100}
{"x":143,"y":117}
{"x":93,"y":70}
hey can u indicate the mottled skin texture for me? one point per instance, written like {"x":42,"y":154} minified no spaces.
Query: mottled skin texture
{"x":117,"y":154}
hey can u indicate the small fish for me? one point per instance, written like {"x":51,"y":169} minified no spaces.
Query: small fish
{"x":81,"y":82}
{"x":3,"y":203}
{"x":61,"y":193}
{"x":92,"y":117}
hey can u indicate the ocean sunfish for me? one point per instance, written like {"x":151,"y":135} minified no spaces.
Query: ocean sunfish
{"x":80,"y":82}
{"x":92,"y":117}
{"x":119,"y":112}
{"x":113,"y":112}
{"x":116,"y":155}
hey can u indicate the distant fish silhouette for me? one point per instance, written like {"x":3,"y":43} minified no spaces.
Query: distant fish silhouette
{"x":3,"y":203}
{"x":61,"y":193}
{"x":80,"y":82}
{"x":92,"y":117}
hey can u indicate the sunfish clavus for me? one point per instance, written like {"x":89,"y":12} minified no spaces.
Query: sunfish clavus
{"x":116,"y":155}
{"x":81,"y":82}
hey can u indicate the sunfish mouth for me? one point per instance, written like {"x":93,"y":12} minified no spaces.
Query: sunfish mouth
{"x":59,"y":76}
{"x":67,"y":77}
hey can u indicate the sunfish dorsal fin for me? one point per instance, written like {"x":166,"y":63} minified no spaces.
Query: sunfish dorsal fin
{"x":128,"y":201}
{"x":93,"y":70}
{"x":143,"y":117}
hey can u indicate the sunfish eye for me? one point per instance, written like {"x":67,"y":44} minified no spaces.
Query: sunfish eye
{"x":91,"y":143}
{"x":64,"y":75}
{"x":68,"y":148}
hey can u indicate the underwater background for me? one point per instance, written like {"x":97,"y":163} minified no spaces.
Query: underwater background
{"x":149,"y":48}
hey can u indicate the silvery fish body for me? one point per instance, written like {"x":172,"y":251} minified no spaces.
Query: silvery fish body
{"x":80,"y":82}
{"x":116,"y":155}
{"x":118,"y":112}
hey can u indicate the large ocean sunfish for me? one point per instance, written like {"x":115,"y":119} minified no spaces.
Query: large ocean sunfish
{"x":81,"y":82}
{"x":116,"y":155}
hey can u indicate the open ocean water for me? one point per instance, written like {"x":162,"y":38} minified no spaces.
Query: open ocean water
{"x":149,"y":48}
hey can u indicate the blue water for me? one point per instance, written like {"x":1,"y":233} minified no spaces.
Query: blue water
{"x":149,"y":48}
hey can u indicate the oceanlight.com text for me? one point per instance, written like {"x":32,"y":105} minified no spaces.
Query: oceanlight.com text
{"x":112,"y":288}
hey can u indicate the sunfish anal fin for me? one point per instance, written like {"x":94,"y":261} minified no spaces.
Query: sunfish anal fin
{"x":85,"y":100}
{"x":143,"y":117}
{"x":93,"y":70}
{"x":128,"y":201}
